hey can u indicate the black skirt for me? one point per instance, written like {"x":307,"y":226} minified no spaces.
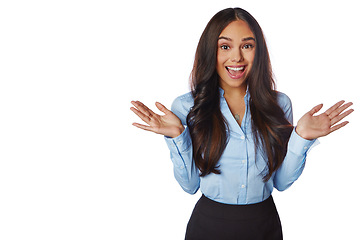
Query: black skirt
{"x":214,"y":220}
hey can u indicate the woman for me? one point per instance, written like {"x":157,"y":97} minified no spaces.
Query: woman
{"x":232,"y":136}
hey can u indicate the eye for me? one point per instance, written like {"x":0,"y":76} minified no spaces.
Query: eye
{"x":224,"y":47}
{"x":248,"y":46}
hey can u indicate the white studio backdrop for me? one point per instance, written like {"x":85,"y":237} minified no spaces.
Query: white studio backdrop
{"x":73,"y":167}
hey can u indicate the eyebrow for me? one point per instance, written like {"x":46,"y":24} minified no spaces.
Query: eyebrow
{"x":229,"y":39}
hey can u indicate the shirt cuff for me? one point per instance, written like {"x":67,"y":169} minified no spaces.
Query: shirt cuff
{"x":299,"y":145}
{"x":180,"y":143}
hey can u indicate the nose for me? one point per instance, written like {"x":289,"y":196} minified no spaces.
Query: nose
{"x":237,"y":56}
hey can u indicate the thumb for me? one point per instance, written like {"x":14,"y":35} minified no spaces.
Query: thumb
{"x":162,"y":108}
{"x":315,"y":109}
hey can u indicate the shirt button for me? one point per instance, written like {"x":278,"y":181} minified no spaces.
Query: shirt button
{"x":243,"y":186}
{"x":305,"y":148}
{"x":181,"y":167}
{"x":242,"y":137}
{"x":243,"y":161}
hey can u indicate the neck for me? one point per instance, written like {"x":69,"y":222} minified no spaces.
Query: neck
{"x":235,"y":93}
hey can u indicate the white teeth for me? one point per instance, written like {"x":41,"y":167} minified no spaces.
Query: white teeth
{"x":236,"y":69}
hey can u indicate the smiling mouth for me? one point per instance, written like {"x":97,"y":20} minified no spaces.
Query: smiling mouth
{"x":236,"y":72}
{"x":241,"y":68}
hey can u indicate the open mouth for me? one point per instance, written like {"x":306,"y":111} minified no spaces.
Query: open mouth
{"x":236,"y":72}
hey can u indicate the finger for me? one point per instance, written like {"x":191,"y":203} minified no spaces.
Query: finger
{"x":140,"y":115}
{"x":140,"y":106}
{"x":334,"y":107}
{"x":337,"y":127}
{"x":143,"y":108}
{"x":315,"y":109}
{"x":340,"y":110}
{"x":141,"y":126}
{"x":341,"y":116}
{"x":162,"y":108}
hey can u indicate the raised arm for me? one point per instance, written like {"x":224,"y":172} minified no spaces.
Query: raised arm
{"x":304,"y":135}
{"x":177,"y":137}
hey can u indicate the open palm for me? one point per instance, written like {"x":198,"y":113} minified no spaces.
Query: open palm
{"x":311,"y":127}
{"x":167,"y":125}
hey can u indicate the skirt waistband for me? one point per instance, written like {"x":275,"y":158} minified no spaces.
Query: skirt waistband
{"x":215,"y":209}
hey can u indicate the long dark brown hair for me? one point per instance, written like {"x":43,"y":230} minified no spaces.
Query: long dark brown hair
{"x":207,"y":125}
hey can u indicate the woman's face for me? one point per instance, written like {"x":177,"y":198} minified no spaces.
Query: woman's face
{"x":235,"y":55}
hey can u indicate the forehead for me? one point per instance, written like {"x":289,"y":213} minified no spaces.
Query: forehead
{"x":237,"y":30}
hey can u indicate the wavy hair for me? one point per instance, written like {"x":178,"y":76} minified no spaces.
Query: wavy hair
{"x":206,"y":123}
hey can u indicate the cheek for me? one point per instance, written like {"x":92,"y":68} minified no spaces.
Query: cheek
{"x":251,"y":61}
{"x":221,"y":57}
{"x":251,"y":57}
{"x":219,"y":62}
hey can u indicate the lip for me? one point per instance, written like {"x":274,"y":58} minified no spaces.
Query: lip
{"x":239,"y":75}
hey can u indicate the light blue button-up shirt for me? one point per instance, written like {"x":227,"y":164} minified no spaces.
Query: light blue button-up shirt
{"x":241,"y":178}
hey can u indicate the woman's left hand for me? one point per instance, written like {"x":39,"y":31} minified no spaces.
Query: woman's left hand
{"x":311,"y":127}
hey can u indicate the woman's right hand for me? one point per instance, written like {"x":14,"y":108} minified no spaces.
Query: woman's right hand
{"x":167,"y":125}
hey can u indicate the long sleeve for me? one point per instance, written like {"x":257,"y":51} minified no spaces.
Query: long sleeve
{"x":241,"y":178}
{"x":294,"y":162}
{"x":181,"y":152}
{"x":185,"y":171}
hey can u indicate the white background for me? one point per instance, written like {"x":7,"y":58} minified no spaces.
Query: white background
{"x":73,"y":167}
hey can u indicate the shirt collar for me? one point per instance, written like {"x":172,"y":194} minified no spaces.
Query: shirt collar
{"x":222,"y":92}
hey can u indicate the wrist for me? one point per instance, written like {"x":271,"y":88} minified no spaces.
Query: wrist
{"x":302,"y":133}
{"x":177,"y":131}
